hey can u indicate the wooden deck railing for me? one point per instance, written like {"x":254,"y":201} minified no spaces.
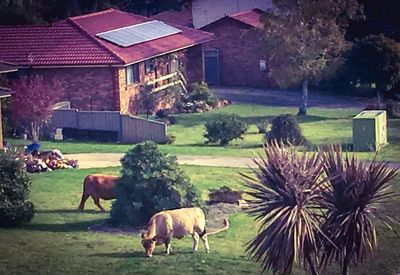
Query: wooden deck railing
{"x":175,"y":78}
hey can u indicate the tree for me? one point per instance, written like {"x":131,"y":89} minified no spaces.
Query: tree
{"x":380,"y":17}
{"x":375,"y":61}
{"x":151,"y":182}
{"x":305,"y":40}
{"x":145,"y":101}
{"x":32,"y":103}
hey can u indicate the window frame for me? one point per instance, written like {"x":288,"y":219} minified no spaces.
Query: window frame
{"x":132,"y":74}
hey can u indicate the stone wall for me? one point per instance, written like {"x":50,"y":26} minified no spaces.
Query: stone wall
{"x":240,"y":50}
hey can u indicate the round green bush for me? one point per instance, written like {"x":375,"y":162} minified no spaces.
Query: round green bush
{"x":285,"y":128}
{"x":151,"y":182}
{"x":224,"y":128}
{"x":14,"y":191}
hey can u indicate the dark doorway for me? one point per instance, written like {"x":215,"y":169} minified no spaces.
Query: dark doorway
{"x":211,"y":66}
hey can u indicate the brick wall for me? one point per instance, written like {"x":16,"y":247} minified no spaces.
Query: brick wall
{"x":194,"y":64}
{"x":88,"y":89}
{"x":105,"y":89}
{"x":240,"y":50}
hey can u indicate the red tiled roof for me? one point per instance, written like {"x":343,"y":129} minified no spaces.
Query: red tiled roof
{"x":73,"y":41}
{"x":113,"y":19}
{"x":251,"y":18}
{"x":182,"y":18}
{"x":56,"y":44}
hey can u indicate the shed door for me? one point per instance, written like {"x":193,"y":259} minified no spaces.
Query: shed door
{"x":211,"y":65}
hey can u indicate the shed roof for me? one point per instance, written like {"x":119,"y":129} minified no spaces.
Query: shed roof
{"x":73,"y":41}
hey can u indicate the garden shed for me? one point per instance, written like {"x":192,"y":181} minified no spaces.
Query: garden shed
{"x":125,"y":128}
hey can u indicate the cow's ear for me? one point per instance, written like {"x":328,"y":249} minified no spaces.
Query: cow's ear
{"x":154,"y":238}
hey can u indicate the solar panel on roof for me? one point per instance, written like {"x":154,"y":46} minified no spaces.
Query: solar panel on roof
{"x":139,"y":33}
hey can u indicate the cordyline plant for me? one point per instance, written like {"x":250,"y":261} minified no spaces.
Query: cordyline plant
{"x":356,"y":192}
{"x":286,"y":194}
{"x":316,"y":208}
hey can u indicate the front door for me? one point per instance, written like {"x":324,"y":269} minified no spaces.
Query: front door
{"x":211,"y":66}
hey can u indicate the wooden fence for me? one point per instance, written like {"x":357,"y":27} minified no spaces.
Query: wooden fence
{"x":130,"y":129}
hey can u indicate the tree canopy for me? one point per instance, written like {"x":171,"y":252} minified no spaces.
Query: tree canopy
{"x":305,"y":40}
{"x":41,"y":11}
{"x":33,"y":100}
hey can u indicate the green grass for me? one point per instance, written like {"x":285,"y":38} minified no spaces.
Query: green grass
{"x":321,"y":126}
{"x":57,"y":240}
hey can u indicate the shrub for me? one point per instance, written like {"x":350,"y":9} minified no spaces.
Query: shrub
{"x":151,"y":182}
{"x":285,"y":128}
{"x":263,"y":126}
{"x":14,"y":190}
{"x":284,"y":192}
{"x":201,"y":92}
{"x":224,"y":128}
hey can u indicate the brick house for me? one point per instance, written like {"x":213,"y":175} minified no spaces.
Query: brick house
{"x":237,"y":55}
{"x":98,"y":73}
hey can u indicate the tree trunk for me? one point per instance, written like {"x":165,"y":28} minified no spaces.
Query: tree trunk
{"x":35,"y":128}
{"x":304,"y":99}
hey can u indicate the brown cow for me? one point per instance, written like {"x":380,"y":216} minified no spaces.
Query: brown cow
{"x":98,"y":187}
{"x":177,"y":223}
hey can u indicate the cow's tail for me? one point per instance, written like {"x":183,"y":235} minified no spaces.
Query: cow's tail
{"x":208,"y":232}
{"x":85,"y":194}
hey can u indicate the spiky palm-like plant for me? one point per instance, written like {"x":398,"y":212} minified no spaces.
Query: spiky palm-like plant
{"x":285,"y":200}
{"x":353,"y":201}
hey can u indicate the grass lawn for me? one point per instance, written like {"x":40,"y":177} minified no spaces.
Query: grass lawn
{"x":321,"y":126}
{"x":57,"y":240}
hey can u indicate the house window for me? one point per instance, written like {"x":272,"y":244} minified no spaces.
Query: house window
{"x":150,"y":66}
{"x":132,"y":74}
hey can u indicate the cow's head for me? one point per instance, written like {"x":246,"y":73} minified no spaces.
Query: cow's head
{"x":149,"y":245}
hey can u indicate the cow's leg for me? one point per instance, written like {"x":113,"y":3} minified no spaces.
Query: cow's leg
{"x":195,"y":237}
{"x":97,"y":202}
{"x":205,"y":242}
{"x":83,"y":201}
{"x":168,"y":248}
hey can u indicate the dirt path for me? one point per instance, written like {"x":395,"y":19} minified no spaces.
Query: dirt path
{"x":101,"y":160}
{"x":287,"y":98}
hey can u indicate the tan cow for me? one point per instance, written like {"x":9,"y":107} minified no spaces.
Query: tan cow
{"x":98,"y":187}
{"x":177,"y":223}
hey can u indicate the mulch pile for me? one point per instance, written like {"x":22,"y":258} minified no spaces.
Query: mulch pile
{"x":37,"y":162}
